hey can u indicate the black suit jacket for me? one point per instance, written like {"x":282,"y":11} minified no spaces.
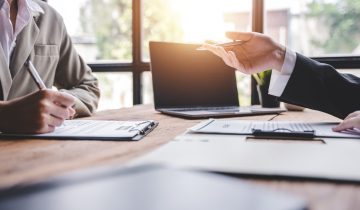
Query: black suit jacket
{"x":319,"y":86}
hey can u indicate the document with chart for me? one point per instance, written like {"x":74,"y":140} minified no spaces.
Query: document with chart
{"x":94,"y":130}
{"x":245,"y":127}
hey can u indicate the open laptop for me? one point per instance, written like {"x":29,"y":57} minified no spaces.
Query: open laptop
{"x":195,"y":84}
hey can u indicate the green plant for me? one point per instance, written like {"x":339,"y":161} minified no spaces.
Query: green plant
{"x":263,"y":83}
{"x":262,"y":78}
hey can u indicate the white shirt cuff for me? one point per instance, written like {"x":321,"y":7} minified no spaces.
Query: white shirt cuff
{"x":280,"y":79}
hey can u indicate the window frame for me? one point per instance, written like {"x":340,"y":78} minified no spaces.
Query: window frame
{"x":137,"y":66}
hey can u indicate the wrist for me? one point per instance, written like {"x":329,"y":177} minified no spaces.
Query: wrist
{"x":279,"y":58}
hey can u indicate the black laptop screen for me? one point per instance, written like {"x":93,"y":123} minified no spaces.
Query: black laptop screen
{"x":186,"y":77}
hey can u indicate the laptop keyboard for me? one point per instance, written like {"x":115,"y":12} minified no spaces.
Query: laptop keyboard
{"x":214,"y":109}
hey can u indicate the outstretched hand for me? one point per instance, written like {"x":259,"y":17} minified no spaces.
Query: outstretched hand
{"x":350,"y":122}
{"x":258,"y":52}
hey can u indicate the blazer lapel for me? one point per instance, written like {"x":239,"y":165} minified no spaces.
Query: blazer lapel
{"x":24,"y":46}
{"x":5,"y":76}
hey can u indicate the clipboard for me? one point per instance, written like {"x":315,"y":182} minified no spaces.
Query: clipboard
{"x":273,"y":129}
{"x":93,"y":130}
{"x":282,"y":133}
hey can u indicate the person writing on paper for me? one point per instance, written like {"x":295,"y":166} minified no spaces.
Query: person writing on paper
{"x":30,"y":30}
{"x":295,"y":79}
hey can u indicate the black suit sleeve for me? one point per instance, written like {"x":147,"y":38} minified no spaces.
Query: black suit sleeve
{"x":319,"y":86}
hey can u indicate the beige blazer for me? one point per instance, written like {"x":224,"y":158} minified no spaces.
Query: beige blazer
{"x":47,"y":44}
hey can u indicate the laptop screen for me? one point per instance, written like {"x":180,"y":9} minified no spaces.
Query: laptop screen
{"x":186,"y":77}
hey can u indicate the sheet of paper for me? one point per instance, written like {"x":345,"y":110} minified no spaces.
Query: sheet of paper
{"x":245,"y":127}
{"x":97,"y":128}
{"x":355,"y":131}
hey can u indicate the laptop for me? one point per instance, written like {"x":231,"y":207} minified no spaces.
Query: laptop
{"x":194,"y":83}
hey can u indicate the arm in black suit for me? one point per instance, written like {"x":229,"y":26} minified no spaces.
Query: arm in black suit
{"x":319,"y":86}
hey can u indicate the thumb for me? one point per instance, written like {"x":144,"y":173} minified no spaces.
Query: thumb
{"x":71,"y":112}
{"x":244,"y":36}
{"x":346,"y":124}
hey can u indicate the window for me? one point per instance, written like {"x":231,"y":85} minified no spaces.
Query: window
{"x":100,"y":30}
{"x":113,"y":35}
{"x":102,"y":33}
{"x":190,"y":22}
{"x":315,"y":27}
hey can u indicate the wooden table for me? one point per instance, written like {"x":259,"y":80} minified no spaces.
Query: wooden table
{"x":24,"y":161}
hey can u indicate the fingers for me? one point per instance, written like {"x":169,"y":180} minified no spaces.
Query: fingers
{"x":229,"y":57}
{"x":225,"y":56}
{"x":38,"y":112}
{"x":245,"y":36}
{"x":210,"y":42}
{"x":60,"y":112}
{"x":71,"y":112}
{"x":348,"y":124}
{"x":354,"y":114}
{"x":54,"y":121}
{"x":239,"y":66}
{"x":45,"y":123}
{"x":219,"y":51}
{"x":212,"y":48}
{"x":63,"y":98}
{"x":48,"y":105}
{"x":44,"y":129}
{"x":54,"y":107}
{"x":48,"y":121}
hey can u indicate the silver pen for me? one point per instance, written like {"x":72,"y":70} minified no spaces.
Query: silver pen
{"x":227,"y":44}
{"x":35,"y":75}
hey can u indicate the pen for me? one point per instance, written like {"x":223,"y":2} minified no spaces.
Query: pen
{"x":35,"y":75}
{"x":227,"y":44}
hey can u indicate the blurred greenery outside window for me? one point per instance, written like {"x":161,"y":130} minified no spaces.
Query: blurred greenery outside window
{"x":102,"y":32}
{"x":315,"y":27}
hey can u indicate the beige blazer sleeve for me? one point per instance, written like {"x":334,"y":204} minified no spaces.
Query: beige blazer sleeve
{"x":46,"y":42}
{"x":74,"y":77}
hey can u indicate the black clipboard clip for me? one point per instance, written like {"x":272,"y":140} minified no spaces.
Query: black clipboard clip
{"x":283,"y":133}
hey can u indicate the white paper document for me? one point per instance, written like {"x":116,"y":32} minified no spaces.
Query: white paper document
{"x":245,"y":127}
{"x":95,"y":130}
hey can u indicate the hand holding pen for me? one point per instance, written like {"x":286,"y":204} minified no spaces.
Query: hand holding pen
{"x":38,"y":112}
{"x":250,"y":52}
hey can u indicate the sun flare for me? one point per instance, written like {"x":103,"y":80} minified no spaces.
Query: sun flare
{"x":204,"y":19}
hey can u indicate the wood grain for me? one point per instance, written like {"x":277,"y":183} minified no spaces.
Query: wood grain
{"x":26,"y":161}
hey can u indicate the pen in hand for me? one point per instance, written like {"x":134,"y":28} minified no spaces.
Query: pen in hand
{"x":228,"y":44}
{"x":35,"y":75}
{"x":41,"y":85}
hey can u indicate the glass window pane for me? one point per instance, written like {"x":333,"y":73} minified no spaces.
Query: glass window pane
{"x":315,"y":27}
{"x":147,"y":88}
{"x":244,"y":88}
{"x":100,"y":30}
{"x":116,"y":90}
{"x":194,"y":22}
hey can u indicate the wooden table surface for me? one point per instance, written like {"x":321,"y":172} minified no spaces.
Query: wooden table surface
{"x":24,"y":161}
